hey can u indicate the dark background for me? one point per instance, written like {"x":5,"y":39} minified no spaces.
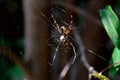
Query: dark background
{"x":12,"y":34}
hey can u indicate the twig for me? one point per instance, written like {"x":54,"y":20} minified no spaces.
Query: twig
{"x":110,"y":66}
{"x":81,"y":50}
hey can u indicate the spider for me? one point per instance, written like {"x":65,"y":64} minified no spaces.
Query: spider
{"x":64,"y":32}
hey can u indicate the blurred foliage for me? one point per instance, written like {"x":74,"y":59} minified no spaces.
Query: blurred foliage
{"x":6,"y":65}
{"x":16,"y":73}
{"x":11,"y":37}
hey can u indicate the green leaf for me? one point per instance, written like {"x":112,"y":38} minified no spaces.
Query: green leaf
{"x":115,"y":58}
{"x":111,"y":25}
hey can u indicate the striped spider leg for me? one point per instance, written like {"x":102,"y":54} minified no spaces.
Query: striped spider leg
{"x":64,"y":32}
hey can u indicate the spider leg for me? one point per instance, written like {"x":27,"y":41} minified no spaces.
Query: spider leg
{"x":56,"y":50}
{"x":75,"y":55}
{"x":71,"y":22}
{"x":69,"y":28}
{"x":56,"y":26}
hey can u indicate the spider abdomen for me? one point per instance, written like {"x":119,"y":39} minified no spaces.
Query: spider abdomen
{"x":62,"y":37}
